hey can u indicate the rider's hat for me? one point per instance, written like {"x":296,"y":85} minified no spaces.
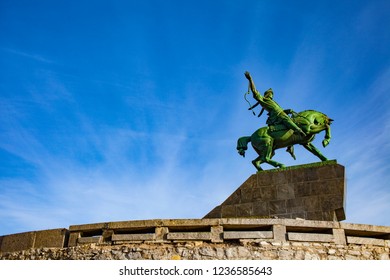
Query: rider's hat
{"x":268,"y":93}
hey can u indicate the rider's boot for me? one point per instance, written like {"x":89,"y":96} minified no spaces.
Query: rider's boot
{"x":290,"y":150}
{"x":300,"y":131}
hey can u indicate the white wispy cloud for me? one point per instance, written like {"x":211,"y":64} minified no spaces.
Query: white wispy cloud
{"x":29,"y":55}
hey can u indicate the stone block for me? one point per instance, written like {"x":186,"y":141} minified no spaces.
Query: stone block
{"x":216,"y":234}
{"x":263,"y":179}
{"x":228,"y":211}
{"x":298,"y":177}
{"x":294,"y":202}
{"x":88,"y":227}
{"x":339,"y":236}
{"x":313,"y":191}
{"x":280,"y":178}
{"x":139,"y":224}
{"x":312,"y":203}
{"x":133,"y":237}
{"x":329,"y":216}
{"x":248,"y":235}
{"x":326,"y":202}
{"x":89,"y":240}
{"x":246,"y":195}
{"x":340,"y":214}
{"x":365,"y":241}
{"x":54,"y":238}
{"x":285,"y":191}
{"x":297,"y":209}
{"x":279,"y":232}
{"x":303,"y":189}
{"x":260,"y":209}
{"x":314,"y":215}
{"x":277,"y":207}
{"x":310,"y":237}
{"x":18,"y":242}
{"x":340,"y":171}
{"x":189,"y":236}
{"x":264,"y":193}
{"x":311,"y":174}
{"x":244,"y":209}
{"x":361,"y":229}
{"x":161,"y":233}
{"x":251,"y":181}
{"x":73,"y":237}
{"x":326,"y":173}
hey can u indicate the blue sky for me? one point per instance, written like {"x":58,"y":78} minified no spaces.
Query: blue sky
{"x":127,"y":110}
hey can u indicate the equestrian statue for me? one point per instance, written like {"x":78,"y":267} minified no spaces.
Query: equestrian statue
{"x":283,"y":131}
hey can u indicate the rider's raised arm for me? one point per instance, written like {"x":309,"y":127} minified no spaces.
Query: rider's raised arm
{"x":252,"y":86}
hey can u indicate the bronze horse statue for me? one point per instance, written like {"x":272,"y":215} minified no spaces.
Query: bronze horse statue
{"x":267,"y":139}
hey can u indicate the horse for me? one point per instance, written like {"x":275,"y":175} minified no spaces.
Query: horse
{"x":267,"y":139}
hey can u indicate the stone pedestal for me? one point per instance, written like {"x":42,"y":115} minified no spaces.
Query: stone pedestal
{"x":312,"y":191}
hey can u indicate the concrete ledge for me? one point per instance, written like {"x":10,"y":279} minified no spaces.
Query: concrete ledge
{"x":189,"y":236}
{"x":218,"y":230}
{"x":364,"y":230}
{"x":207,"y":230}
{"x":365,"y":241}
{"x":310,"y":237}
{"x":133,"y":237}
{"x":88,"y":227}
{"x":87,"y":240}
{"x":248,"y":235}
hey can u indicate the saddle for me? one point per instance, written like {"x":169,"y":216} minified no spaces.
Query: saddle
{"x":280,"y":131}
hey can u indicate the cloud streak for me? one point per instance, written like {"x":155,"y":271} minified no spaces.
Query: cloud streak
{"x":36,"y":57}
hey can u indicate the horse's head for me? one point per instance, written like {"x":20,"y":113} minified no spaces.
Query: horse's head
{"x":321,"y":122}
{"x":313,"y":122}
{"x":321,"y":119}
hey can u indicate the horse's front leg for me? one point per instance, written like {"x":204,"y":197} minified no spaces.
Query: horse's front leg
{"x":311,"y":148}
{"x":326,"y":141}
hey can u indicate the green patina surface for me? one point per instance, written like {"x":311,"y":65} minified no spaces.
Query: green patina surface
{"x":283,"y":130}
{"x":307,"y":165}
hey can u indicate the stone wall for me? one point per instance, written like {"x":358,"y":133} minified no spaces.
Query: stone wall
{"x":203,"y":239}
{"x":199,"y":250}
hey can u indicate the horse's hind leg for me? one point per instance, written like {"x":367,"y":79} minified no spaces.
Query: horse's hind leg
{"x":256,"y":162}
{"x":268,"y":157}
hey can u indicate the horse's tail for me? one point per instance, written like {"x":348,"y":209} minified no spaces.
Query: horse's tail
{"x":242,"y":144}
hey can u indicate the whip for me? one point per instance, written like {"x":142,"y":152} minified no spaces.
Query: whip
{"x":250,"y":105}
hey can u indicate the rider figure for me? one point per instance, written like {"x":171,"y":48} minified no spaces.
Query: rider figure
{"x":275,"y":113}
